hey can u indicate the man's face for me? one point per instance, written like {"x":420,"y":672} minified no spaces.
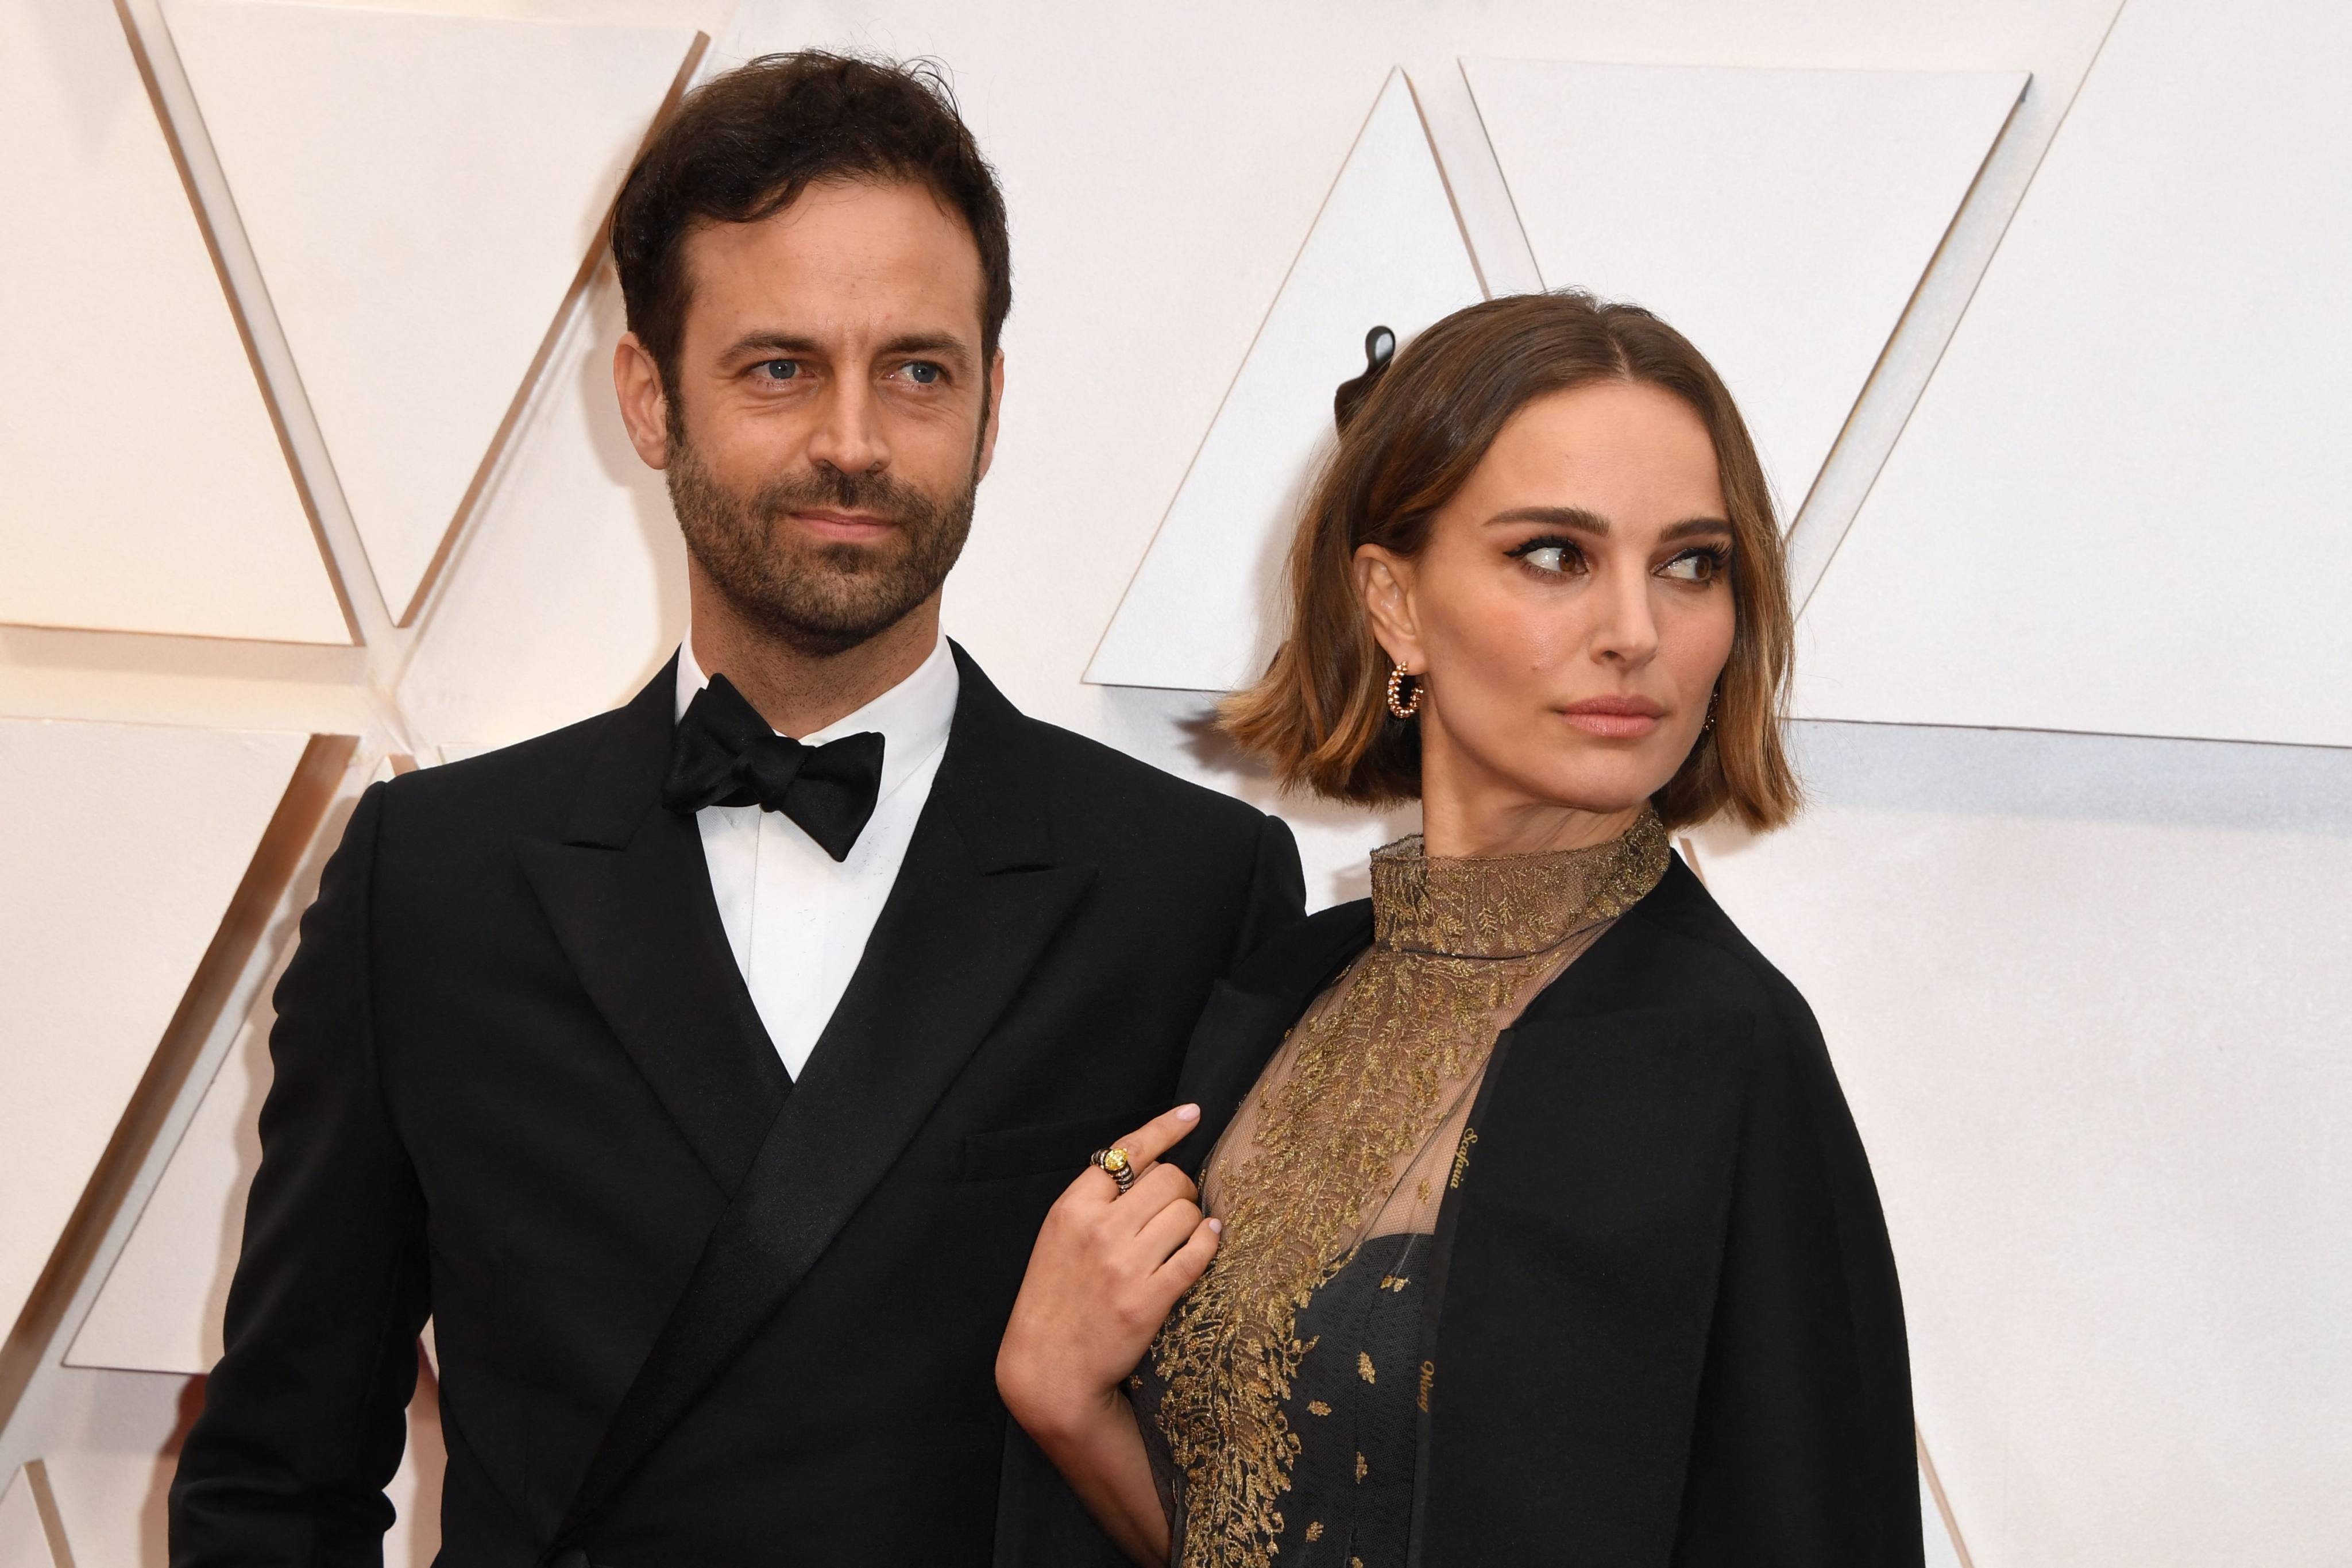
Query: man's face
{"x":830,"y":415}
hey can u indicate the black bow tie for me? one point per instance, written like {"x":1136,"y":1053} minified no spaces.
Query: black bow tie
{"x":725,"y":754}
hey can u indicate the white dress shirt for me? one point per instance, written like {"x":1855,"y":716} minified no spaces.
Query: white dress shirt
{"x":796,"y":919}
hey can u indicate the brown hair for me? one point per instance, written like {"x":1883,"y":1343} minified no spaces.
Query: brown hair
{"x":745,"y":144}
{"x":1321,"y":713}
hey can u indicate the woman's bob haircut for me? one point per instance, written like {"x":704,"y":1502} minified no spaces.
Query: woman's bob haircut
{"x":1319,"y":715}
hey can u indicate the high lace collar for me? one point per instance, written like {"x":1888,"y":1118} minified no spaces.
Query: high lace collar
{"x":1509,"y":906}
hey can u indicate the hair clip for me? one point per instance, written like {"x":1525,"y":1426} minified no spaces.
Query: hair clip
{"x":1380,"y":347}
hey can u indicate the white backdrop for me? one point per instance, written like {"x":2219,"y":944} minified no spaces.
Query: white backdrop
{"x":2062,"y":510}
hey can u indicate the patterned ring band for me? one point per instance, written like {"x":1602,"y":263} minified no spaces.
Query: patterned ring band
{"x":1114,"y":1164}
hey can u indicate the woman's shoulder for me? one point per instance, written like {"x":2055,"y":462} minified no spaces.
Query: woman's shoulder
{"x":1683,"y":943}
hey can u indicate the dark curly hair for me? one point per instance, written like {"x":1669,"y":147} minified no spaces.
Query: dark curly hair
{"x":745,"y":144}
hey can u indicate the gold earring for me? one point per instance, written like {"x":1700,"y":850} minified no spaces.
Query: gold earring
{"x":1397,"y":704}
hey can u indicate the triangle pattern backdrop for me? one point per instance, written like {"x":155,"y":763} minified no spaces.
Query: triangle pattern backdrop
{"x":1780,"y":219}
{"x":161,"y":1309}
{"x":94,"y":976}
{"x":162,"y":1306}
{"x":420,"y":192}
{"x":23,"y":1535}
{"x":2119,"y":505}
{"x":2085,"y":997}
{"x":1386,"y":251}
{"x":142,"y":487}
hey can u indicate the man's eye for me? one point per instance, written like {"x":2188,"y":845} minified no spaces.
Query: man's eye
{"x":779,"y":369}
{"x":922,"y":373}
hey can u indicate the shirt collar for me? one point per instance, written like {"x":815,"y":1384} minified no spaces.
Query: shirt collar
{"x":913,"y":718}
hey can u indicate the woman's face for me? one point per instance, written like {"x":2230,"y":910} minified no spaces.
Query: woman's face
{"x":1569,"y":617}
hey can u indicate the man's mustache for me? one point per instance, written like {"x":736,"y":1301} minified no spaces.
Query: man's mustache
{"x":878,"y":495}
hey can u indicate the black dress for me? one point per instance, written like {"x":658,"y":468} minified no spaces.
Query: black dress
{"x":1285,"y":1391}
{"x":1351,"y":1405}
{"x":1655,"y":1322}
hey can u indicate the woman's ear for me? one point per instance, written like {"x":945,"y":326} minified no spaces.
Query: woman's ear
{"x":1385,"y":580}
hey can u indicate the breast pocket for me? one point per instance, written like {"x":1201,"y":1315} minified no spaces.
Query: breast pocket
{"x":1064,"y":1146}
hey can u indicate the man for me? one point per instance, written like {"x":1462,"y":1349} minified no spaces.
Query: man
{"x":707,"y":1088}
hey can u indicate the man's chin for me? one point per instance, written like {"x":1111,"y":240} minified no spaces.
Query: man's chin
{"x":825,"y":627}
{"x":812,"y":558}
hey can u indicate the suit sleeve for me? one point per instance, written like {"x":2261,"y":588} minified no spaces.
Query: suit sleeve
{"x":1039,"y":1520}
{"x":1802,"y":1454}
{"x":1278,"y":892}
{"x":303,"y":1422}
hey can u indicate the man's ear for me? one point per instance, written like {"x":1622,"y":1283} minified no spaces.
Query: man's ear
{"x":1385,"y":580}
{"x":645,"y":408}
{"x":989,"y":421}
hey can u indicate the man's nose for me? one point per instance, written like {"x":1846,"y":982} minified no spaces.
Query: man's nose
{"x":848,"y":437}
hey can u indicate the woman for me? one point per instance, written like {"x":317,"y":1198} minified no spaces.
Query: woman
{"x":1535,"y":1228}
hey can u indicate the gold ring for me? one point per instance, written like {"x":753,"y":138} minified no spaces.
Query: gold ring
{"x":1114,"y":1164}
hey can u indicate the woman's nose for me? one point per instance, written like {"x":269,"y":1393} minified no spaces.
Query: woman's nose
{"x":1628,"y":629}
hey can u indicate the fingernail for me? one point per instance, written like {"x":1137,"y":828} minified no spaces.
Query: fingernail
{"x":1187,"y":1113}
{"x":1216,"y":1227}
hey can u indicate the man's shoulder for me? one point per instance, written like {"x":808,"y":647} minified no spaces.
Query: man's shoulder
{"x":528,"y":786}
{"x":1096,"y":782}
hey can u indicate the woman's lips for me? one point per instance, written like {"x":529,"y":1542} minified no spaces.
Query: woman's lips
{"x":1614,"y":718}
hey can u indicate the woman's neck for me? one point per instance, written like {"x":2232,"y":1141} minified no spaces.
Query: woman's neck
{"x":1452,"y":828}
{"x":1466,"y":813}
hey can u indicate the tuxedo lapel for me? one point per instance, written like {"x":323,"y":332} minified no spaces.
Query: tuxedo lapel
{"x":977,"y":901}
{"x":628,"y":893}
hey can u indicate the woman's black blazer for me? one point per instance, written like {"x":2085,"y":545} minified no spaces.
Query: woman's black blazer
{"x":1663,"y":1326}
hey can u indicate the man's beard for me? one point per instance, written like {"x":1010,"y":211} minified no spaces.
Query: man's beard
{"x":819,"y":597}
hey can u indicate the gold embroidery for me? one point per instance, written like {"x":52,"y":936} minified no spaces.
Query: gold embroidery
{"x":1317,"y":1407}
{"x":1428,"y":1372}
{"x":1454,"y":942}
{"x":1362,"y":1469}
{"x":1395,"y":1283}
{"x":1364,"y":1366}
{"x":1315,"y":1529}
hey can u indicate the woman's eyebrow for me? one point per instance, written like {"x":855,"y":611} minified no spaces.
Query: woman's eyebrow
{"x":1590,"y":522}
{"x":1572,"y":517}
{"x":1692,"y":526}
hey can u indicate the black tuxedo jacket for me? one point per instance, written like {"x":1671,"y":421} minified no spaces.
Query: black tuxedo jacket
{"x":1663,"y":1323}
{"x":688,"y":1311}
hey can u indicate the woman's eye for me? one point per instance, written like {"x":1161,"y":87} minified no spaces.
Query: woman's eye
{"x":1553,"y":557}
{"x":1695,"y":566}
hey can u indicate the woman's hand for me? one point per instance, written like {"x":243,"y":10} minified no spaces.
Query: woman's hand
{"x":1107,"y":1267}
